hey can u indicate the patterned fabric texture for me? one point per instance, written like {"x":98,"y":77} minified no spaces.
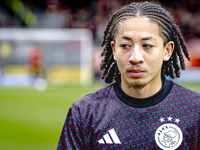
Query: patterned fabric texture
{"x":100,"y":120}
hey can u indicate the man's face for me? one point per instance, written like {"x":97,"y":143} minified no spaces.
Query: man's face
{"x":139,"y":52}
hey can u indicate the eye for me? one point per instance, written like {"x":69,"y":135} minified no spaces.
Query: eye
{"x":147,"y":46}
{"x":125,"y":46}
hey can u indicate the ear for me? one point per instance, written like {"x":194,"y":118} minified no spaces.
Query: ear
{"x":169,"y":48}
{"x":113,"y":49}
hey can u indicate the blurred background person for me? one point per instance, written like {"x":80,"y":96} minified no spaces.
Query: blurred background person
{"x":36,"y":69}
{"x":36,"y":64}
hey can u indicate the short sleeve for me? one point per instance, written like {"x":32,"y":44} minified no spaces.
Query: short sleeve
{"x":71,"y":136}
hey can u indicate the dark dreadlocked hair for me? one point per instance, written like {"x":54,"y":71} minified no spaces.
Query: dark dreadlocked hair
{"x":168,"y":29}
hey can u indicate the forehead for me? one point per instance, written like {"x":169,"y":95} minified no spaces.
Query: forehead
{"x":140,"y":26}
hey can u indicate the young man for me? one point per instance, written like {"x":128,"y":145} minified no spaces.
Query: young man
{"x":141,"y":110}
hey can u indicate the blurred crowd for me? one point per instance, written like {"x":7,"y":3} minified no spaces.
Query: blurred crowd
{"x":92,"y":14}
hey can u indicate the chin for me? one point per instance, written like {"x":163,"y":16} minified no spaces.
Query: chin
{"x":137,"y":85}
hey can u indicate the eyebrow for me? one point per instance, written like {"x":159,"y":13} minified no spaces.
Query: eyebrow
{"x":125,"y":37}
{"x":149,"y":38}
{"x":143,"y":39}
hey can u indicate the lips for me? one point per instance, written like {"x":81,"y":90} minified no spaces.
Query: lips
{"x":136,"y":72}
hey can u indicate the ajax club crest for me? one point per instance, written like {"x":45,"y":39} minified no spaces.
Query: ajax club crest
{"x":168,"y":136}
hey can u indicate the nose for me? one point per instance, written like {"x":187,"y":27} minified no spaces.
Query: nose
{"x":136,"y":55}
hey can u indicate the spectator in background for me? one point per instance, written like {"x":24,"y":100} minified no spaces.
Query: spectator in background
{"x":53,"y":17}
{"x":65,"y":14}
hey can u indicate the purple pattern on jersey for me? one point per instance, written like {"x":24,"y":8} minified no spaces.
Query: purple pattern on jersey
{"x":93,"y":116}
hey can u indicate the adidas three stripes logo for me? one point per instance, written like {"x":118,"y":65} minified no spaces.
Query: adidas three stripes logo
{"x":110,"y":138}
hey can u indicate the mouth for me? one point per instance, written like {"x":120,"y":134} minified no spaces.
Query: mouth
{"x":136,"y":73}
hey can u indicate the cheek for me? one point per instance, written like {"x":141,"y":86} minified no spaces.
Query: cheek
{"x":121,"y":62}
{"x":155,"y":60}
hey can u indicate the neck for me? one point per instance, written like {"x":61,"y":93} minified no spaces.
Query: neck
{"x":150,"y":89}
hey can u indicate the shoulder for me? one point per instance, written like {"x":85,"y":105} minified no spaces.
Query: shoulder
{"x":97,"y":103}
{"x":182,"y":91}
{"x":180,"y":87}
{"x":95,"y":99}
